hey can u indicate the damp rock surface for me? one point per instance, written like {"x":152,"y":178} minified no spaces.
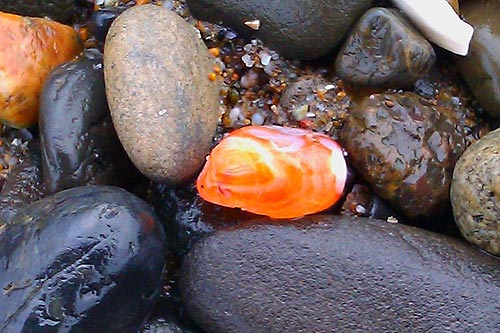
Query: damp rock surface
{"x":298,"y":29}
{"x":79,"y":143}
{"x":88,"y":259}
{"x":384,"y":50}
{"x":328,"y":273}
{"x":405,"y":148}
{"x":481,"y":67}
{"x":163,"y":105}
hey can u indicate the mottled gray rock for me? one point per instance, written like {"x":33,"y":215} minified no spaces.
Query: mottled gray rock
{"x":298,"y":29}
{"x":384,"y":50}
{"x":59,"y":10}
{"x":475,"y":193}
{"x":334,"y":274}
{"x":88,"y":259}
{"x":405,"y":148}
{"x":79,"y":143}
{"x":164,"y":107}
{"x":481,"y":67}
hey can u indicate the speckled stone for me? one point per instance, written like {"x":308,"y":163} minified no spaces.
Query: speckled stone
{"x":475,"y":193}
{"x":384,"y":50}
{"x":164,"y":107}
{"x":336,"y":274}
{"x":405,"y":148}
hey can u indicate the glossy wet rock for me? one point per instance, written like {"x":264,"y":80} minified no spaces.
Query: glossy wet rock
{"x":23,"y":186}
{"x":327,"y":273}
{"x":481,"y":67}
{"x":101,"y":20}
{"x":475,"y":193}
{"x":298,"y":29}
{"x":164,"y":107}
{"x":405,"y":148}
{"x":59,"y":10}
{"x":89,"y":259}
{"x":79,"y":143}
{"x":384,"y":50}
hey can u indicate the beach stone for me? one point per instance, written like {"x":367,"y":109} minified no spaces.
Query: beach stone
{"x":384,"y":50}
{"x":297,"y":29}
{"x":88,"y":259}
{"x":79,"y":142}
{"x":406,"y":149}
{"x":163,"y":105}
{"x":338,"y":274}
{"x":59,"y":10}
{"x":481,"y":67}
{"x":475,"y":193}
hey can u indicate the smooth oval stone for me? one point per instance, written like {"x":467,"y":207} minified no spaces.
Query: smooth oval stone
{"x":164,"y":107}
{"x":59,"y":10}
{"x":79,"y":143}
{"x":298,"y":29}
{"x":334,"y":274}
{"x":405,"y":148}
{"x":88,"y":259}
{"x":475,"y":193}
{"x":384,"y":50}
{"x":481,"y":67}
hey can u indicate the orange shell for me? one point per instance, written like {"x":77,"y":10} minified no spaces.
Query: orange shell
{"x":275,"y":171}
{"x":29,"y":49}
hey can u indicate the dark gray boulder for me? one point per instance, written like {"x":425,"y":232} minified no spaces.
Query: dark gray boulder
{"x":298,"y":29}
{"x":334,"y":274}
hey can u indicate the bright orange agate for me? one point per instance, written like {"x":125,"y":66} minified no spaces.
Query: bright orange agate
{"x":275,"y":171}
{"x":29,"y":49}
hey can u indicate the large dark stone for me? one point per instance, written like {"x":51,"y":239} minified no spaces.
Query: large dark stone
{"x":88,"y":259}
{"x":59,"y":10}
{"x":79,"y":143}
{"x":481,"y":67}
{"x":333,"y":274}
{"x":384,"y":50}
{"x":298,"y":29}
{"x":405,"y":148}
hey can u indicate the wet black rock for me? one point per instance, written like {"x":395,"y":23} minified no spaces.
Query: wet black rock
{"x":101,"y":20}
{"x":384,"y":50}
{"x":333,"y":274}
{"x":481,"y":67}
{"x":298,"y":29}
{"x":88,"y":259}
{"x":475,"y":193}
{"x":59,"y":10}
{"x":23,"y":186}
{"x":405,"y":148}
{"x":79,"y":143}
{"x":186,"y":217}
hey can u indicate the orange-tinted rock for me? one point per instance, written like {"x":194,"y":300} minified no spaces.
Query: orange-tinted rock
{"x":29,"y":49}
{"x":275,"y":171}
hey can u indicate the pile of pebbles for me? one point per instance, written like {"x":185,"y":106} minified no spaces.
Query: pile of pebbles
{"x":101,"y":228}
